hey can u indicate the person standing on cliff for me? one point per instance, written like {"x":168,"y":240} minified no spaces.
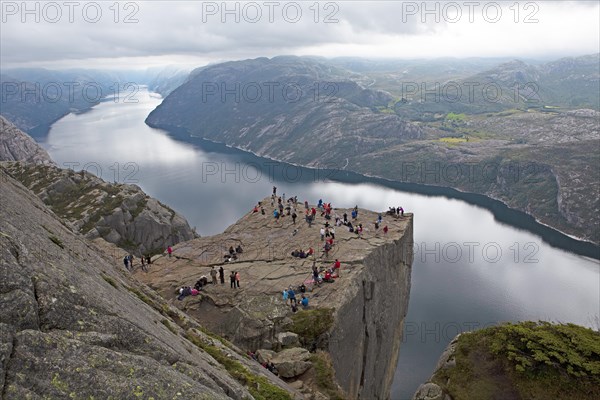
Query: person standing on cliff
{"x":222,"y":275}
{"x":232,"y":280}
{"x":237,"y":279}
{"x":169,"y":251}
{"x":213,"y":275}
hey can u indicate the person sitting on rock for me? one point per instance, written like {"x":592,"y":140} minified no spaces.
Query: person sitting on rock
{"x":304,"y":302}
{"x":239,"y":249}
{"x":183,"y":292}
{"x":328,"y":278}
{"x":231,"y":250}
{"x":198,"y":285}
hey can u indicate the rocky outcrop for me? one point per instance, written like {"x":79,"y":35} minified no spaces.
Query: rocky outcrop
{"x":365,"y":340}
{"x":119,"y":213}
{"x":367,"y":303}
{"x":72,"y":325}
{"x":292,"y":362}
{"x":16,"y":145}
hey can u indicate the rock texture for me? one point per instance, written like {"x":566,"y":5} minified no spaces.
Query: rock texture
{"x":16,"y":145}
{"x":74,"y":326}
{"x":369,"y":299}
{"x":119,"y":213}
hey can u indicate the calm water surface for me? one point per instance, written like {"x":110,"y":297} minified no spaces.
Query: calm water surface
{"x":469,"y":269}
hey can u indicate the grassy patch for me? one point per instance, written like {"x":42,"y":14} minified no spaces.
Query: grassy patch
{"x":310,"y":324}
{"x":453,"y":140}
{"x":56,"y":241}
{"x":110,"y":281}
{"x":325,"y":375}
{"x":170,"y":327}
{"x":258,"y":386}
{"x":142,"y":296}
{"x":530,"y":360}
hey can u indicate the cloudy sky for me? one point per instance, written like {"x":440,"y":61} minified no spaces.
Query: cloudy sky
{"x":139,"y":34}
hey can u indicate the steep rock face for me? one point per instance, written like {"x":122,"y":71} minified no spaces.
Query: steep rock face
{"x":74,"y":326}
{"x":370,"y":297}
{"x":121,"y":214}
{"x":365,"y":339}
{"x":16,"y":145}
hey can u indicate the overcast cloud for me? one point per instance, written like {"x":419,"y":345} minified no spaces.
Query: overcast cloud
{"x":149,"y":33}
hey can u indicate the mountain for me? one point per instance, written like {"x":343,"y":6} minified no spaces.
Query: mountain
{"x":33,"y":99}
{"x":165,"y":80}
{"x":279,"y":106}
{"x":16,"y":145}
{"x":497,"y":148}
{"x":73,"y":324}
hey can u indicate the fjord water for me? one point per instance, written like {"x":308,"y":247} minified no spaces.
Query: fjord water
{"x":469,"y":270}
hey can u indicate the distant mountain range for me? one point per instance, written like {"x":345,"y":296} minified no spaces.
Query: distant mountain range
{"x":34,"y":98}
{"x":316,"y":112}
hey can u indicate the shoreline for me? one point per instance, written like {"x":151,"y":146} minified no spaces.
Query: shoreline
{"x":500,"y":210}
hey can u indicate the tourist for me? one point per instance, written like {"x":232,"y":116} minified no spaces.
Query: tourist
{"x":292,"y":295}
{"x":304,"y":302}
{"x":385,"y":229}
{"x":169,"y":251}
{"x":126,"y":262}
{"x":222,"y":275}
{"x":232,"y":279}
{"x":237,"y":279}
{"x":322,"y":231}
{"x":285,"y":296}
{"x":294,"y":218}
{"x":213,"y":275}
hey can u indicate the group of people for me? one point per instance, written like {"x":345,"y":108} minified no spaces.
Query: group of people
{"x":397,"y":211}
{"x":232,"y":253}
{"x":145,"y":261}
{"x":290,"y":294}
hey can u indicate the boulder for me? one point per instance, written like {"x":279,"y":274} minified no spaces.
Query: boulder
{"x":288,"y":339}
{"x":430,"y":391}
{"x":292,"y":362}
{"x":264,"y":355}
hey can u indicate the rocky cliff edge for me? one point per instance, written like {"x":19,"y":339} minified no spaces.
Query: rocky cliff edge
{"x":368,"y":301}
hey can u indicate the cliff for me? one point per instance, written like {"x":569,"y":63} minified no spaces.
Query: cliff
{"x":16,"y":145}
{"x":72,"y":325}
{"x":528,"y":360}
{"x":357,"y":320}
{"x":118,"y":213}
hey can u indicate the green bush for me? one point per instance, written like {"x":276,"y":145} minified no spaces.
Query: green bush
{"x":310,"y":324}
